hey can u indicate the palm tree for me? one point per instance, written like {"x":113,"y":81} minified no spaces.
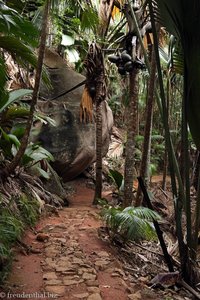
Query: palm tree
{"x":132,"y":117}
{"x":148,"y":129}
{"x":180,"y":19}
{"x":10,"y":167}
{"x":131,"y":133}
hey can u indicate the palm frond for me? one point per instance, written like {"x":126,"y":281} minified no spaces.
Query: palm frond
{"x":22,"y":53}
{"x":142,"y":213}
{"x":181,"y":19}
{"x":132,"y":223}
{"x":11,"y":23}
{"x":169,"y":15}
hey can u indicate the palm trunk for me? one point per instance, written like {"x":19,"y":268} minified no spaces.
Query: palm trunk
{"x":10,"y":168}
{"x":98,"y":186}
{"x":148,"y":130}
{"x":130,"y":144}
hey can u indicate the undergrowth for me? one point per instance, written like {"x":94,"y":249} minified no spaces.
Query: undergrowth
{"x":15,"y":216}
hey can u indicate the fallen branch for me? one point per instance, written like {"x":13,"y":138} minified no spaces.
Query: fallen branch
{"x":159,"y":232}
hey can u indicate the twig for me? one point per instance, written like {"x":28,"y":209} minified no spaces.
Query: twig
{"x":151,"y":262}
{"x":175,"y":261}
{"x":189,"y":288}
{"x":144,"y":248}
{"x":130,"y":269}
{"x":28,"y":249}
{"x":164,"y":192}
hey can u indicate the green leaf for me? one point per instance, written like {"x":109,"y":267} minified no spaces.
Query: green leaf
{"x":14,"y":140}
{"x":15,"y":112}
{"x":14,"y":96}
{"x":132,"y":223}
{"x":36,"y":153}
{"x":11,"y":23}
{"x":89,"y":18}
{"x":43,"y":173}
{"x":116,"y":176}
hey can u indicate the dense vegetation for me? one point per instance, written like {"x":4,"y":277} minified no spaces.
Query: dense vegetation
{"x":140,"y":55}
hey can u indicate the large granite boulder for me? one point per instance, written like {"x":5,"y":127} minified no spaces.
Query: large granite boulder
{"x":71,"y":142}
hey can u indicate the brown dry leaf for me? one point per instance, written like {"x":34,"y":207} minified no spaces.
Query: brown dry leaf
{"x":86,"y":107}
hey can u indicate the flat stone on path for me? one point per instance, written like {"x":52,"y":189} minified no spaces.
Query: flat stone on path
{"x":136,"y":296}
{"x":95,"y":296}
{"x":49,"y":275}
{"x":57,"y":290}
{"x":92,"y":283}
{"x":53,"y":282}
{"x":89,"y":276}
{"x":81,"y":296}
{"x":93,"y":289}
{"x":71,"y":281}
{"x":102,"y":254}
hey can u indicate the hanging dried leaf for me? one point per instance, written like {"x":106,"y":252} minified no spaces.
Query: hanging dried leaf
{"x":86,"y":107}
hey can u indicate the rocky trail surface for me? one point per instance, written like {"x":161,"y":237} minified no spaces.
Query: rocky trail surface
{"x":68,"y":260}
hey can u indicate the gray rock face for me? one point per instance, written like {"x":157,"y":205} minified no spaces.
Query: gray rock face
{"x":71,"y":142}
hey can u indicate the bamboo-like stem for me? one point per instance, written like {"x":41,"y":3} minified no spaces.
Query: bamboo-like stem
{"x":186,"y":173}
{"x":197,"y":220}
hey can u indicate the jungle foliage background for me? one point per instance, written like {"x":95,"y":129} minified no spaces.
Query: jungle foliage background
{"x":145,"y":63}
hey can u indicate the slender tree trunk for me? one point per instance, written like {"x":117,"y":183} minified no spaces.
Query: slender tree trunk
{"x":165,"y":167}
{"x":144,"y":168}
{"x":98,"y":186}
{"x":105,"y":10}
{"x":10,"y":168}
{"x":130,"y":144}
{"x":165,"y":161}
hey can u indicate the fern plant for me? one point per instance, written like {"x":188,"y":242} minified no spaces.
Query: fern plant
{"x":132,"y":223}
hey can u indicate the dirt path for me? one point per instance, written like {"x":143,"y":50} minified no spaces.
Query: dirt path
{"x":74,"y":263}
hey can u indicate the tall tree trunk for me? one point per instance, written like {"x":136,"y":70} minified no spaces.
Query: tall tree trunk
{"x":98,"y":186}
{"x":10,"y":168}
{"x":105,"y":10}
{"x":144,"y":168}
{"x":131,"y":133}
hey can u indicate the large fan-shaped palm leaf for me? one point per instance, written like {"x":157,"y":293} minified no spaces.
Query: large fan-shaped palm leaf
{"x":181,"y":18}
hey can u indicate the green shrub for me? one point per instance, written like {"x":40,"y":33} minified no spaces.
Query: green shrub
{"x":132,"y":223}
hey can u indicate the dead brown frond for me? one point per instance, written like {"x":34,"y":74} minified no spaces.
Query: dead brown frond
{"x":86,"y":107}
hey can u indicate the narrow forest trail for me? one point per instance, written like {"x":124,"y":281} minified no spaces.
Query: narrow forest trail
{"x":74,"y":263}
